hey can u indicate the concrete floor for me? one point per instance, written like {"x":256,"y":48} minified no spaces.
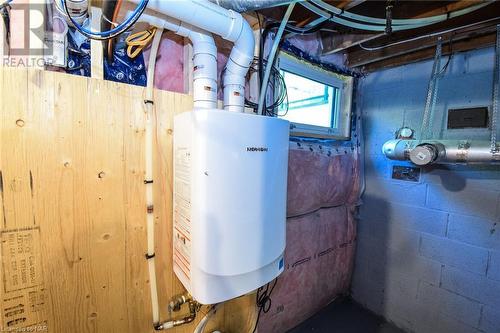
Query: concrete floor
{"x":345,"y":317}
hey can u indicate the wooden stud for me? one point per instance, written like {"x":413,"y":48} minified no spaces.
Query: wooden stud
{"x":96,"y":50}
{"x":346,"y":5}
{"x":333,"y":43}
{"x":448,"y":7}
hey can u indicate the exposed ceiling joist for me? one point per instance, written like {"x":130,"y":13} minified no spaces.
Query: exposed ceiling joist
{"x":346,"y":5}
{"x":450,"y":7}
{"x":333,"y":43}
{"x":460,"y":46}
{"x":403,"y":45}
{"x":362,"y":57}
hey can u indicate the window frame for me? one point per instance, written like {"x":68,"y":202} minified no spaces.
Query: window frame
{"x":341,"y":115}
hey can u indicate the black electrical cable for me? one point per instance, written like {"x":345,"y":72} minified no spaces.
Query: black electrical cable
{"x":5,"y":4}
{"x":4,"y":12}
{"x":275,"y":77}
{"x":445,"y":67}
{"x":263,"y":300}
{"x":276,"y":83}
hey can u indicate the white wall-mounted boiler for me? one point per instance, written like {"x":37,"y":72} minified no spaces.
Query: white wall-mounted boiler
{"x":230,"y":180}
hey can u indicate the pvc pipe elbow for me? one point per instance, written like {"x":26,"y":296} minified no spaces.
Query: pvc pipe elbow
{"x":203,"y":41}
{"x":244,"y":46}
{"x":237,"y":67}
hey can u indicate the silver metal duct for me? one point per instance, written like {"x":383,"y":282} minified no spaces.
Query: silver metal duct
{"x":241,"y":6}
{"x":429,"y":152}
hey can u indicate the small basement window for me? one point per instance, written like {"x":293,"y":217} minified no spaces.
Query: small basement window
{"x":319,"y":102}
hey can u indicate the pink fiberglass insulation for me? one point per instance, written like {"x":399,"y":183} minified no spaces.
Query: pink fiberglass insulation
{"x":169,"y":71}
{"x":321,"y":236}
{"x":317,"y":180}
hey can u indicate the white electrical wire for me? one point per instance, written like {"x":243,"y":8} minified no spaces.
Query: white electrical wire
{"x":272,"y":54}
{"x":149,"y":175}
{"x":204,"y":321}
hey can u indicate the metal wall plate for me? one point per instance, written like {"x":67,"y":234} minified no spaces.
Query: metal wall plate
{"x":476,"y":117}
{"x":406,"y":173}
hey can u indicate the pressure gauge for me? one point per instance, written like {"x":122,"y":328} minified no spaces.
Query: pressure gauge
{"x":405,"y":133}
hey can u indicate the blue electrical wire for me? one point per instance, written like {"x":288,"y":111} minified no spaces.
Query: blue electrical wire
{"x":104,"y":35}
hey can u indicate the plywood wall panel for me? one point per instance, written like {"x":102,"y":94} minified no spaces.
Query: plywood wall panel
{"x":73,"y":206}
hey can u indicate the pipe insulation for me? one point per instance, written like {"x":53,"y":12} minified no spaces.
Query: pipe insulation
{"x":427,"y":152}
{"x":228,"y":24}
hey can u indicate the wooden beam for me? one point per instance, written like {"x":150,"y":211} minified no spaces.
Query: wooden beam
{"x":363,"y":57}
{"x":333,"y":43}
{"x":461,"y":46}
{"x":450,"y":7}
{"x":346,"y":5}
{"x":96,"y":51}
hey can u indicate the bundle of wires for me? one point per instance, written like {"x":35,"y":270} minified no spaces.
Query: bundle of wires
{"x":278,"y":87}
{"x":112,"y":33}
{"x":264,"y":300}
{"x":138,"y":41}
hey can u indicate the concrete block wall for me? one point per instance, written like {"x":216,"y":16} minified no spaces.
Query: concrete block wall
{"x":428,"y":256}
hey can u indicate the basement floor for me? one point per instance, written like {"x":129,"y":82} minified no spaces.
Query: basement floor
{"x":345,"y":317}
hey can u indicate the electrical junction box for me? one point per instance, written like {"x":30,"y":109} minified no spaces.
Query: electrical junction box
{"x":230,"y":181}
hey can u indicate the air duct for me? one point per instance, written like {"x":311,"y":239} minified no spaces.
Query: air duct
{"x":429,"y":152}
{"x":228,"y":24}
{"x":241,"y":6}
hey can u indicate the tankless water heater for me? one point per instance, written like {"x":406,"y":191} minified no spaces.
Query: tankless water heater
{"x":230,"y":180}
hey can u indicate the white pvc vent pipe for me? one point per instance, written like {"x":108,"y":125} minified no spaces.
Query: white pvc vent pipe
{"x":204,"y":58}
{"x":228,"y":24}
